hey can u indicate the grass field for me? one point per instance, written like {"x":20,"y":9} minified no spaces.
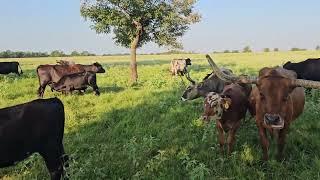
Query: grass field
{"x":146,"y":132}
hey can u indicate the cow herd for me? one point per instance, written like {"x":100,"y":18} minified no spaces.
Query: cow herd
{"x":275,"y":98}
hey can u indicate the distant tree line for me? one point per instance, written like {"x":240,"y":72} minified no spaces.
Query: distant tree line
{"x":55,"y":53}
{"x":247,"y":49}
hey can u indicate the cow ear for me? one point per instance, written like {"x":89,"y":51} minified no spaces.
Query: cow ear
{"x":226,"y":102}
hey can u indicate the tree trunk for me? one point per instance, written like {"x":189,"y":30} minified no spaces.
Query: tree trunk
{"x":134,"y":46}
{"x":133,"y":63}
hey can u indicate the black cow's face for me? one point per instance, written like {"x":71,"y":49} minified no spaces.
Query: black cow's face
{"x":192,"y":92}
{"x":287,"y":65}
{"x":98,"y":68}
{"x":188,"y":61}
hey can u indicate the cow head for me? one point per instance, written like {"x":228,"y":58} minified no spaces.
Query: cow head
{"x":214,"y":105}
{"x":188,"y":61}
{"x":210,"y":83}
{"x":275,"y":86}
{"x":97,"y":68}
{"x":287,"y":65}
{"x":193,"y":91}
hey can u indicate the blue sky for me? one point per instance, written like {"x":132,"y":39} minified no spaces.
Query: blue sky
{"x":46,"y":25}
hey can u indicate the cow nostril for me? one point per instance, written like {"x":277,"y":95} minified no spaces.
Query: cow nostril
{"x":272,"y":118}
{"x":276,"y":119}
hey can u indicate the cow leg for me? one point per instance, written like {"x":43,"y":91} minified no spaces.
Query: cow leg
{"x":220,"y":136}
{"x":231,"y":138}
{"x":281,"y":142}
{"x":41,"y":90}
{"x":55,"y":159}
{"x":264,"y":142}
{"x":96,"y":90}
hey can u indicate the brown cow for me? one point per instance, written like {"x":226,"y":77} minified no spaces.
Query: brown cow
{"x":276,"y":101}
{"x":49,"y":74}
{"x":227,"y":109}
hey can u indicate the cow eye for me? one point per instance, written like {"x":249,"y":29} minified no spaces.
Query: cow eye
{"x":262,"y":96}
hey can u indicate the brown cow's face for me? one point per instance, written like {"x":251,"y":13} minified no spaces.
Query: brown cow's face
{"x":274,"y":96}
{"x":214,"y":105}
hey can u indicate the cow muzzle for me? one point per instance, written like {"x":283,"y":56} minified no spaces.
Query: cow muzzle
{"x":273,"y":120}
{"x":183,"y":99}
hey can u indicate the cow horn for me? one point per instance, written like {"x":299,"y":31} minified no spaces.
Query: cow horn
{"x":307,"y":83}
{"x":230,"y":78}
{"x":188,"y":77}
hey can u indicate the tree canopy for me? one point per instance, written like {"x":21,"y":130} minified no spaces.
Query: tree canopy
{"x":137,"y":22}
{"x":161,"y":21}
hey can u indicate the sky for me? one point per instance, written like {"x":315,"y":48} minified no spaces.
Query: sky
{"x":46,"y":25}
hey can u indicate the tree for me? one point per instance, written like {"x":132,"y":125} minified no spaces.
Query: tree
{"x":74,"y":53}
{"x":318,"y":48}
{"x":276,"y":49}
{"x":266,"y":50}
{"x":136,"y":22}
{"x":235,"y":51}
{"x":57,"y":53}
{"x":247,"y":49}
{"x":226,"y":51}
{"x":297,"y":49}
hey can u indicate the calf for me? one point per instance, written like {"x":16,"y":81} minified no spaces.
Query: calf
{"x":35,"y":126}
{"x":179,"y":66}
{"x":77,"y":81}
{"x":10,"y":67}
{"x":227,"y":109}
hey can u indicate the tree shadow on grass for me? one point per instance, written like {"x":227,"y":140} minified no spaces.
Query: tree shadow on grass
{"x":146,"y":140}
{"x":160,"y":136}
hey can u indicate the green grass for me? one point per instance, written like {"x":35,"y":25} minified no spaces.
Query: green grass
{"x":146,"y":132}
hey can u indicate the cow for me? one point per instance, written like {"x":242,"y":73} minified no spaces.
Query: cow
{"x":65,"y":62}
{"x":276,"y":101}
{"x":179,"y":66}
{"x":308,"y":69}
{"x":227,"y":109}
{"x":10,"y":67}
{"x":34,"y":127}
{"x":77,"y":81}
{"x":211,"y":83}
{"x":49,"y":74}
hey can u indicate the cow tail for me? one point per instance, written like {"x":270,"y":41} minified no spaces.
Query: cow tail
{"x":20,"y":68}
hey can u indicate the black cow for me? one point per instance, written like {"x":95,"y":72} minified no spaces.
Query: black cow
{"x":77,"y":81}
{"x":35,"y":126}
{"x":308,"y":69}
{"x":10,"y":67}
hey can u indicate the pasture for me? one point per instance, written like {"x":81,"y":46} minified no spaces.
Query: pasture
{"x":146,"y":132}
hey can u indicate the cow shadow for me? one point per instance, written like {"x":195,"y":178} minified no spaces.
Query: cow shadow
{"x":108,"y":89}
